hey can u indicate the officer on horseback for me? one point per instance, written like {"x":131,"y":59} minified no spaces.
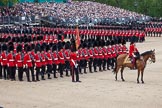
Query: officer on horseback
{"x":133,"y":54}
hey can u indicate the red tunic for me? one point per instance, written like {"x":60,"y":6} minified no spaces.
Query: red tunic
{"x":90,"y":53}
{"x":105,"y":52}
{"x":49,"y":58}
{"x":37,"y":59}
{"x":96,"y":53}
{"x":56,"y":59}
{"x":132,"y":49}
{"x":10,"y":60}
{"x":73,"y":56}
{"x":61,"y":57}
{"x":109,"y":53}
{"x":4,"y":59}
{"x":28,"y":60}
{"x":124,"y":49}
{"x":43,"y":59}
{"x":113,"y":51}
{"x":100,"y":53}
{"x":67,"y":54}
{"x":18,"y":59}
{"x":85,"y":54}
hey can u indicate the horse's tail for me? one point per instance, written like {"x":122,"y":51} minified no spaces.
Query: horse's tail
{"x":114,"y":70}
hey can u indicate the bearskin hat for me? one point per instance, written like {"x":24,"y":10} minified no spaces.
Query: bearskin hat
{"x":123,"y":42}
{"x":0,"y":47}
{"x":11,"y":48}
{"x":51,"y":44}
{"x":47,"y":48}
{"x":13,"y":39}
{"x":60,"y":46}
{"x":37,"y":48}
{"x":32,"y":46}
{"x":19,"y":48}
{"x":84,"y":45}
{"x":34,"y":38}
{"x":54,"y":47}
{"x":67,"y":45}
{"x":112,"y":42}
{"x":26,"y":47}
{"x":10,"y":43}
{"x":26,"y":40}
{"x":29,"y":48}
{"x":107,"y":43}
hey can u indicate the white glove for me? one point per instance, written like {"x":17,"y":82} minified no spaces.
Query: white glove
{"x":76,"y":65}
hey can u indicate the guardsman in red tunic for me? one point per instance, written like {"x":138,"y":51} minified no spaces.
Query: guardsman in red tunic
{"x":0,"y":62}
{"x":80,"y":57}
{"x":124,"y":48}
{"x":61,"y":59}
{"x":43,"y":61}
{"x":4,"y":61}
{"x":37,"y":61}
{"x":19,"y":62}
{"x":96,"y":56}
{"x":49,"y":61}
{"x":90,"y":54}
{"x":113,"y":52}
{"x":85,"y":56}
{"x":101,"y":55}
{"x":74,"y":66}
{"x":67,"y":57}
{"x":104,"y":50}
{"x":133,"y":51}
{"x":11,"y":63}
{"x":55,"y":60}
{"x":109,"y":54}
{"x":28,"y":64}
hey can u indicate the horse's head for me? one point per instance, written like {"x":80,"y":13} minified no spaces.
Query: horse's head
{"x":149,"y":55}
{"x":152,"y":56}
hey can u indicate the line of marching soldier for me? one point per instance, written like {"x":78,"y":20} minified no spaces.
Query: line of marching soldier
{"x":99,"y":54}
{"x":38,"y":60}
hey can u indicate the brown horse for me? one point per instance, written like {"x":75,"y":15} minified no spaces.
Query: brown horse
{"x":140,"y":63}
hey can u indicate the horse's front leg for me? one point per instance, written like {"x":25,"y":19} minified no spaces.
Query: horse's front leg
{"x":138,"y":76}
{"x":142,"y":76}
{"x":122,"y":69}
{"x":116,"y":71}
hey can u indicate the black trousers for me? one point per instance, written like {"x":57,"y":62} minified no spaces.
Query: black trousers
{"x":95,"y":61}
{"x":113,"y":60}
{"x":20,"y":73}
{"x":37,"y":73}
{"x":43,"y":69}
{"x":100,"y":64}
{"x":75,"y":73}
{"x":12,"y":71}
{"x":49,"y":70}
{"x":54,"y":70}
{"x":5,"y":72}
{"x":0,"y":71}
{"x":67,"y":67}
{"x":60,"y":68}
{"x":108,"y":63}
{"x":90,"y":64}
{"x":28,"y":70}
{"x":104,"y":63}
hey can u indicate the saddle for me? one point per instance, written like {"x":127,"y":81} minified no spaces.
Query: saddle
{"x":127,"y":59}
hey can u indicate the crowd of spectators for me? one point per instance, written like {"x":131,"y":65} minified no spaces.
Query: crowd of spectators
{"x":82,"y":11}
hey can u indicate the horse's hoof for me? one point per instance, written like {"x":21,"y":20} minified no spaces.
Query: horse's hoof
{"x":143,"y":82}
{"x":137,"y":82}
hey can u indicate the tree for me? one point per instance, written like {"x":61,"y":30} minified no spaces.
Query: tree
{"x":8,"y":2}
{"x":148,"y":7}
